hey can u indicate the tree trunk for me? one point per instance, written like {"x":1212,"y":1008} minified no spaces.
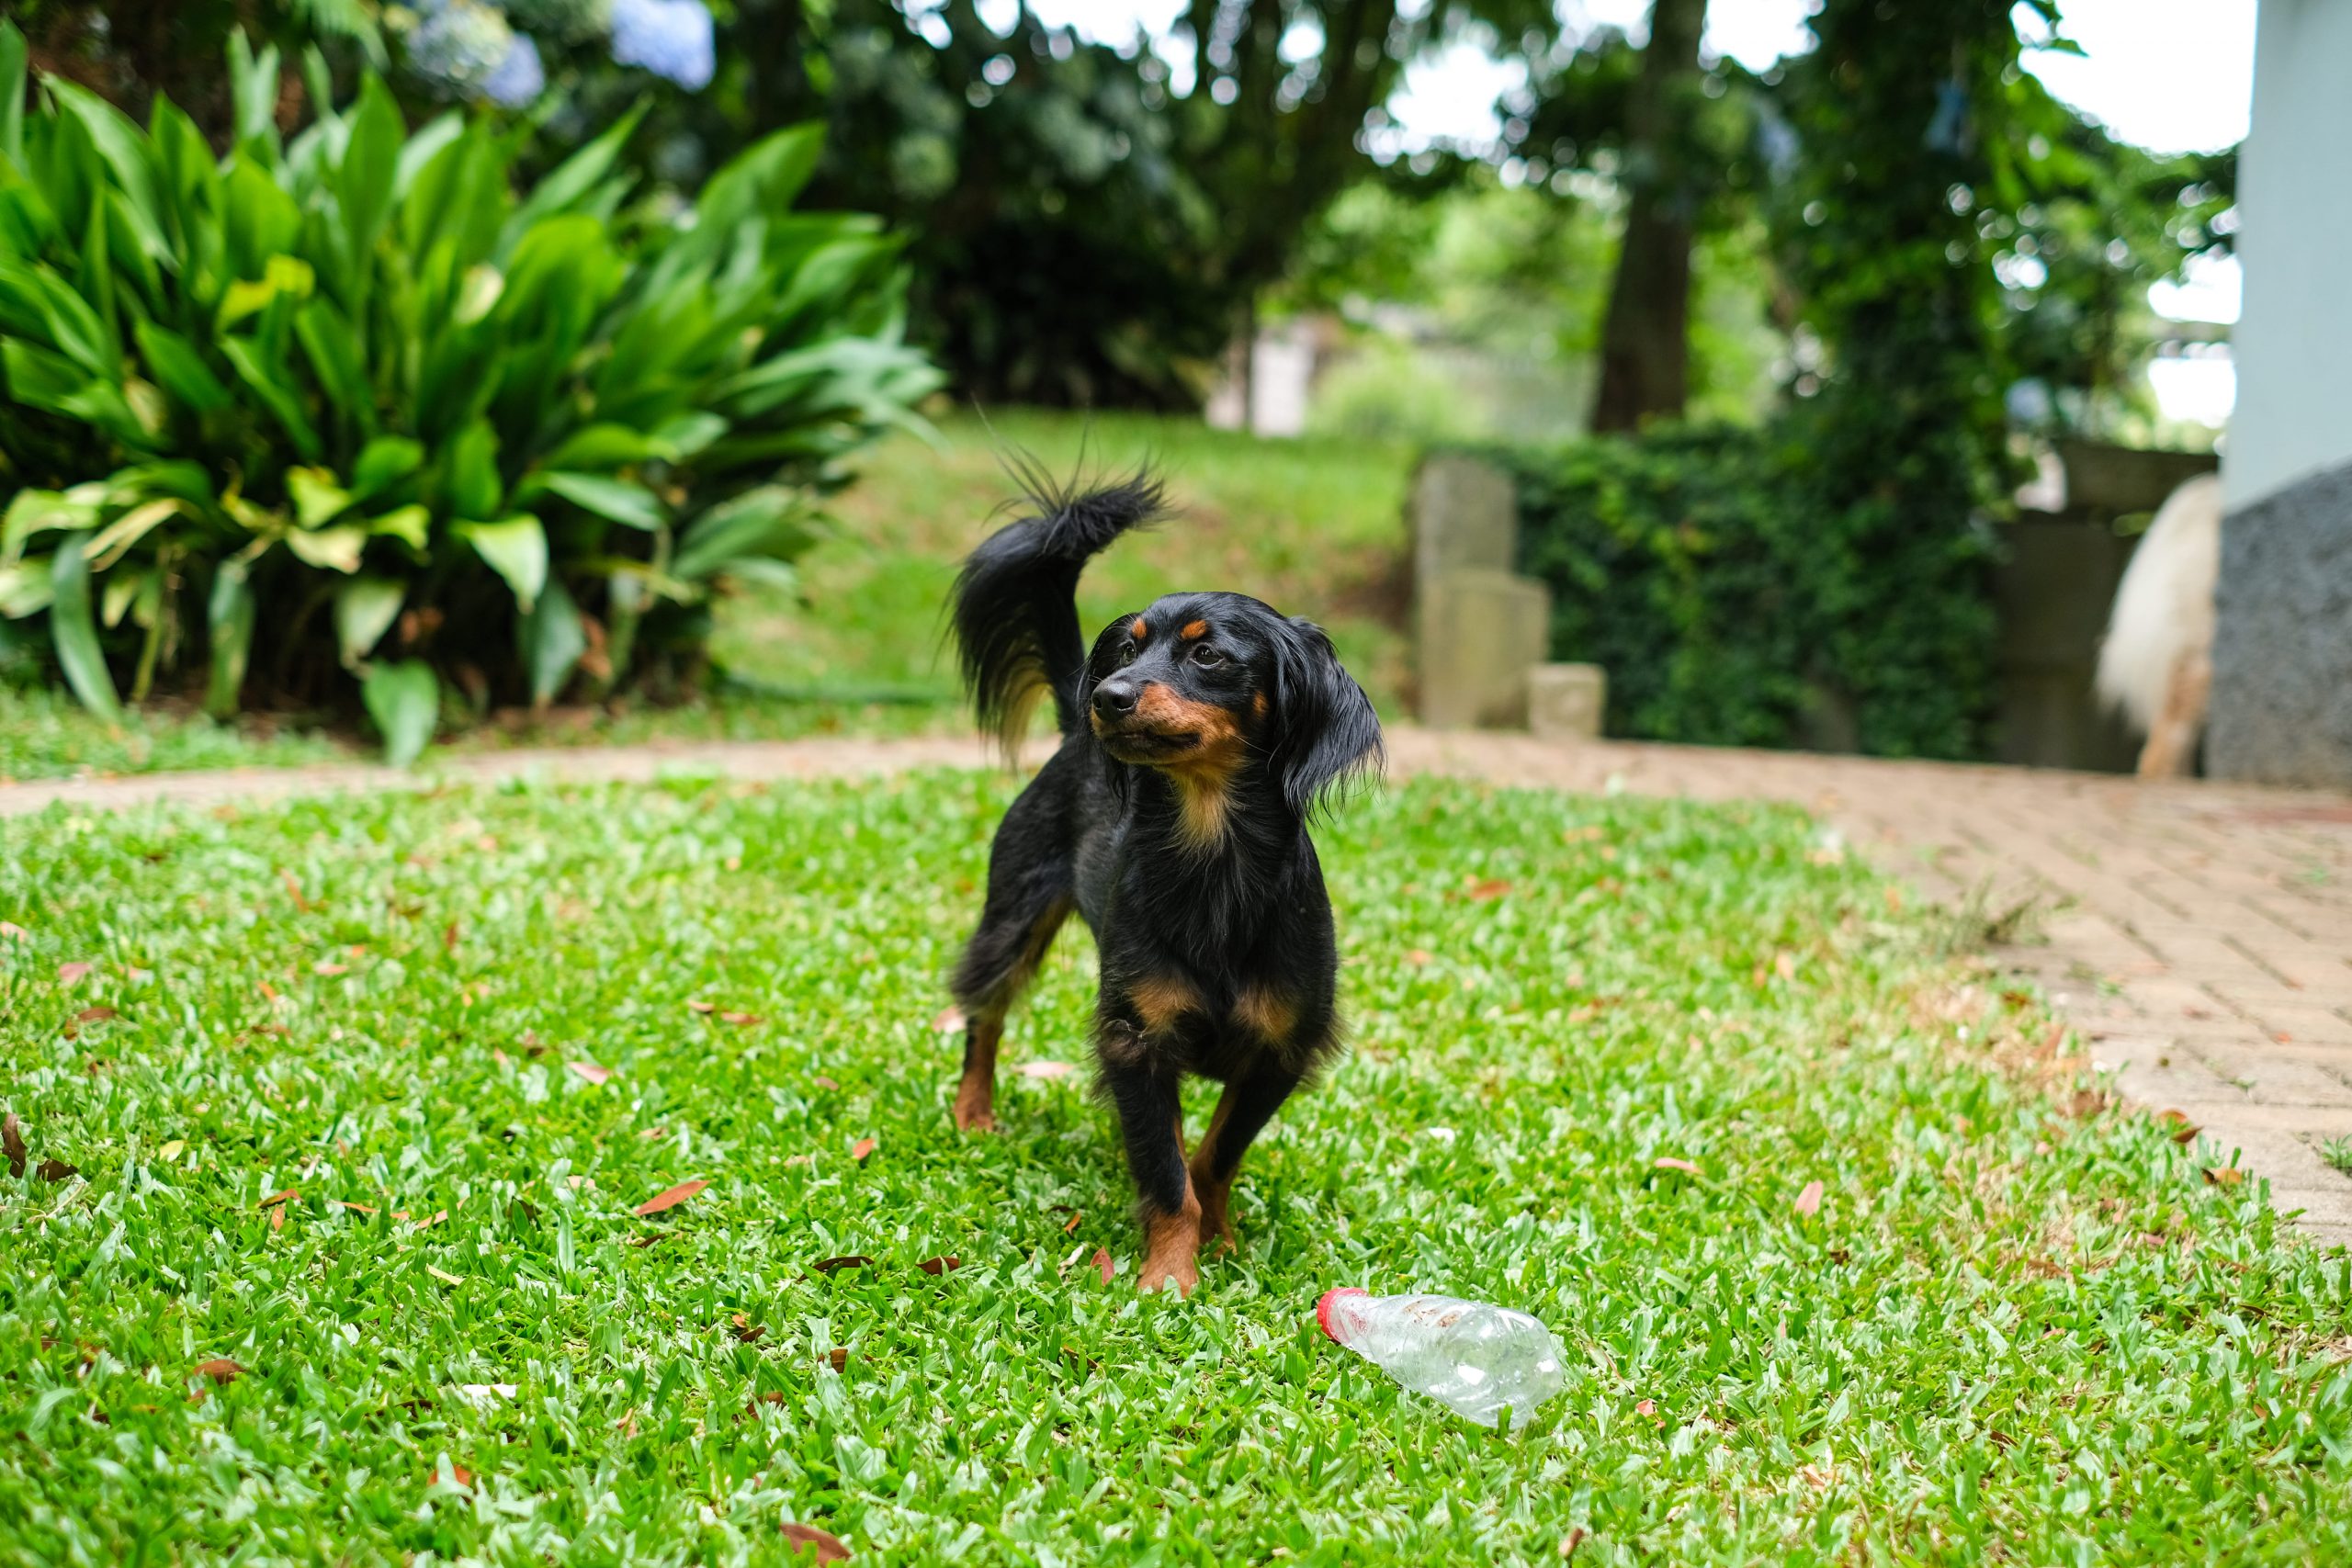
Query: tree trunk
{"x":1646,"y":337}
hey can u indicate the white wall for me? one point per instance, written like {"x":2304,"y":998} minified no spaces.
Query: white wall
{"x":2293,"y":343}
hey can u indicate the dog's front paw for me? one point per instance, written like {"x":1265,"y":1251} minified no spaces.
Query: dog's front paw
{"x":1158,"y":1273}
{"x":974,"y":1112}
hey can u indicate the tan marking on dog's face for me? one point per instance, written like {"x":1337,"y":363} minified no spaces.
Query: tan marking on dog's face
{"x":1203,"y":775}
{"x":1266,"y":1013}
{"x":1138,"y":628}
{"x":1161,"y":1000}
{"x":1258,"y":704}
{"x":1194,"y":629}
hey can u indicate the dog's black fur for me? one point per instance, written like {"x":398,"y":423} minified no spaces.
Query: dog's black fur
{"x":1200,"y":737}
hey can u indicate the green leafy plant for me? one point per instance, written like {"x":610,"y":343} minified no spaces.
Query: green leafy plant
{"x":340,"y":411}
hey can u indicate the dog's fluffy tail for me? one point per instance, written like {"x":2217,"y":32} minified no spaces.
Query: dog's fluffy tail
{"x":1015,"y":607}
{"x":2163,"y":607}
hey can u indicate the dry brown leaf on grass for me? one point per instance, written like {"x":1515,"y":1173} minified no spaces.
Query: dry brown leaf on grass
{"x":2178,"y":1126}
{"x":1493,"y":887}
{"x":1045,"y":1069}
{"x":668,"y":1199}
{"x":808,"y":1538}
{"x":2224,"y":1175}
{"x":592,"y":1071}
{"x":746,"y":1330}
{"x":220,"y":1369}
{"x":12,"y":1143}
{"x":1668,"y":1162}
{"x":1419,"y":956}
{"x":835,"y":1265}
{"x":1570,"y":1541}
{"x":1808,"y":1202}
{"x":1101,"y":1263}
{"x":275,"y":1198}
{"x":940,"y":1265}
{"x":1075,"y":1215}
{"x":822,"y":1081}
{"x":702,"y":1006}
{"x":839,"y":1358}
{"x":67,"y":974}
{"x":458,"y":1474}
{"x":11,"y":929}
{"x":96,"y":1015}
{"x":862,"y":1147}
{"x":55,"y":1170}
{"x":740,"y":1020}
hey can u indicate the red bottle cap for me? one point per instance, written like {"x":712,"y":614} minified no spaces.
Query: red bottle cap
{"x":1323,"y":1310}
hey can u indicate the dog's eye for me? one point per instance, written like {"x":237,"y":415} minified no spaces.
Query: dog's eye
{"x":1207,"y":658}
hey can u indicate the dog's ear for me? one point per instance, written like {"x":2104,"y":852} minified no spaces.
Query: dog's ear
{"x":1325,"y":732}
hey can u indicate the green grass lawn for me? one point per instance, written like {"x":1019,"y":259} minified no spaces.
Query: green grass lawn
{"x":1314,"y":527}
{"x":362,"y":1094}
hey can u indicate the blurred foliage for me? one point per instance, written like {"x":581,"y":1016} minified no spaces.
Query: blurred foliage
{"x":1683,"y":561}
{"x":337,"y":412}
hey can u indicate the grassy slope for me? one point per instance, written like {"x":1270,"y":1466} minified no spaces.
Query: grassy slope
{"x":1315,"y":527}
{"x":2008,"y":1335}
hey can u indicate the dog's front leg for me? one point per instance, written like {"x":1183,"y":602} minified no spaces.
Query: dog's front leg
{"x":1151,"y":1118}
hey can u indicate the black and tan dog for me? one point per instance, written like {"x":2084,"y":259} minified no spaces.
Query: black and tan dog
{"x":1199,"y":739}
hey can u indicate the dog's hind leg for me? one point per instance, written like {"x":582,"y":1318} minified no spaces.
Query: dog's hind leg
{"x":1242,"y":1113}
{"x":1027,"y":902}
{"x":2172,"y":739}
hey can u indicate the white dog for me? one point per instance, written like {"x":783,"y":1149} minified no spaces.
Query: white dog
{"x":2156,"y":665}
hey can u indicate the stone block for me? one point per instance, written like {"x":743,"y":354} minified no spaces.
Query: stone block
{"x":1481,"y":631}
{"x":2281,"y":705}
{"x":1565,"y":702}
{"x":1466,"y":514}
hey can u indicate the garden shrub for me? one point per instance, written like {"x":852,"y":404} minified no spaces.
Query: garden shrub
{"x":1705,"y":570}
{"x":339,"y":411}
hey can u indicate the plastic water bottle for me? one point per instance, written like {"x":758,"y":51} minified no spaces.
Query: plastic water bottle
{"x":1479,"y":1360}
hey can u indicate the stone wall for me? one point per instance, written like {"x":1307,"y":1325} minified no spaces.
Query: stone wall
{"x":2281,"y":709}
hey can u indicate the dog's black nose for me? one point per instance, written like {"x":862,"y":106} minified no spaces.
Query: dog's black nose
{"x":1114,"y":699}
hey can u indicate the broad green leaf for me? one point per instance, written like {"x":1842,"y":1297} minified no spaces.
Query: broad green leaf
{"x":365,"y":609}
{"x":34,"y":510}
{"x":334,"y":351}
{"x":253,"y":90}
{"x":552,"y":639}
{"x":121,"y":588}
{"x":473,"y":485}
{"x":371,"y":163}
{"x":276,"y":388}
{"x":330,"y":549}
{"x":383,"y":463}
{"x":76,"y":635}
{"x":422,"y":147}
{"x":179,"y":477}
{"x":230,"y":623}
{"x":687,"y":434}
{"x":180,"y":368}
{"x":128,"y":156}
{"x":562,"y":188}
{"x":404,"y":699}
{"x":24,"y":587}
{"x":282,"y":275}
{"x":13,"y":55}
{"x":597,"y":447}
{"x":410,"y":525}
{"x":617,"y":500}
{"x":516,"y":549}
{"x":317,"y":497}
{"x":774,"y":521}
{"x":110,"y":544}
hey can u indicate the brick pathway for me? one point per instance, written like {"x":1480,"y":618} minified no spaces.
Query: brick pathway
{"x":2199,"y":935}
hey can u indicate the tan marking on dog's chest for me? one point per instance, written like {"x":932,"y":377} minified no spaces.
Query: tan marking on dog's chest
{"x":1203,"y":776}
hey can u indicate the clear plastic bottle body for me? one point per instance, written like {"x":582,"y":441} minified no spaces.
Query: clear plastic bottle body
{"x":1475,"y":1359}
